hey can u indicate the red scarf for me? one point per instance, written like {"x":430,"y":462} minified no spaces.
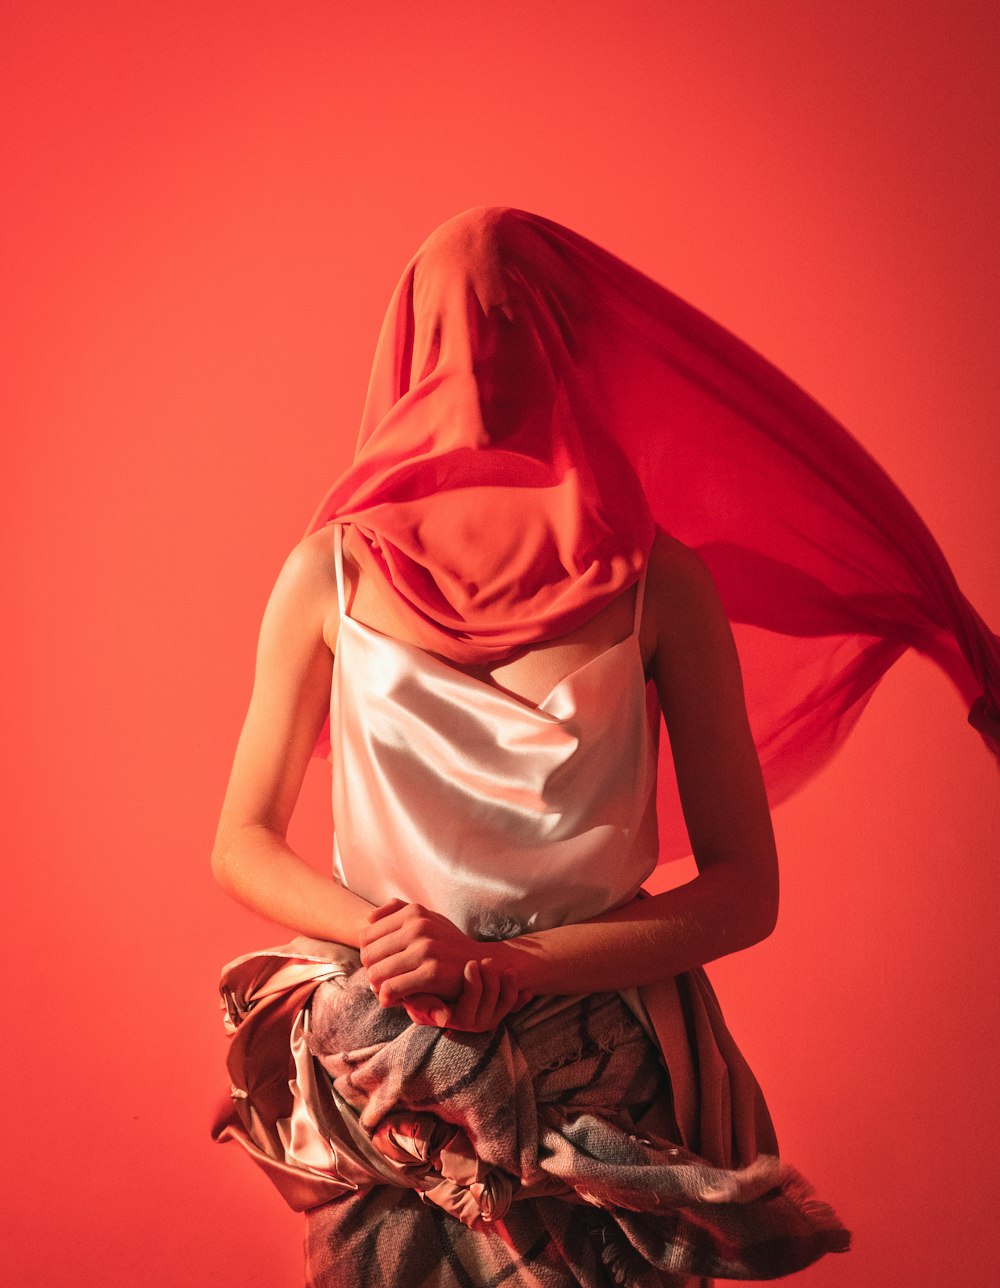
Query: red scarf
{"x":537,"y":407}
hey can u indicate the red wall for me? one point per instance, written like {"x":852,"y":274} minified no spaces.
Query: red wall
{"x":208,"y":207}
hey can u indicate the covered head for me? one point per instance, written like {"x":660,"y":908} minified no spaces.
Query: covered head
{"x":496,"y":502}
{"x":537,"y":408}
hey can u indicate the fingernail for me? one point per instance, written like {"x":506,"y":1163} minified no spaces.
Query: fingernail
{"x":439,"y":1016}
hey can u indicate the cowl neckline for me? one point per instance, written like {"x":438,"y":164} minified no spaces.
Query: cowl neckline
{"x":420,"y":658}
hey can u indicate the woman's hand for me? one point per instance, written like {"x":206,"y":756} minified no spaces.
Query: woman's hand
{"x":420,"y":959}
{"x":488,"y":996}
{"x":406,"y":948}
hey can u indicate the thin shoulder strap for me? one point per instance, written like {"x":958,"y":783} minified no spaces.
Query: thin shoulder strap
{"x":640,"y":592}
{"x":338,"y":563}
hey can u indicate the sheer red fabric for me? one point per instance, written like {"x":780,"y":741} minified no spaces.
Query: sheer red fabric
{"x":537,"y":407}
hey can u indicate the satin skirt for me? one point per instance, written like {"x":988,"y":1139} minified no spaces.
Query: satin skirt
{"x":605,"y":1139}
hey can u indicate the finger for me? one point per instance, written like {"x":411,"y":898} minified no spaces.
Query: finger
{"x":436,"y":1019}
{"x":417,"y":1016}
{"x":422,"y":1008}
{"x":402,"y":963}
{"x":389,"y":925}
{"x":393,"y":988}
{"x":379,"y":948}
{"x":463,"y":1013}
{"x":490,"y":995}
{"x":410,"y":919}
{"x":385,"y":910}
{"x":508,"y":994}
{"x":523,"y":998}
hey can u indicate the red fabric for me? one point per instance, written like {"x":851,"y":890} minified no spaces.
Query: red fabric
{"x":537,"y":405}
{"x":494,"y":498}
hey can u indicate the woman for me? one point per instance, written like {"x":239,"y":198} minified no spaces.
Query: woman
{"x":489,"y":1055}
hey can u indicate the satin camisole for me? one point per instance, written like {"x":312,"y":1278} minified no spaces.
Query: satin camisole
{"x":501,"y":814}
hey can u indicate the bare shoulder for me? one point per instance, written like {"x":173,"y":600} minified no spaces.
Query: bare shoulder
{"x":676,"y":569}
{"x":312,"y":559}
{"x":306,"y":588}
{"x":682,"y":603}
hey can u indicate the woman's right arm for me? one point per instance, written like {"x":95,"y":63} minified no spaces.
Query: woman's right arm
{"x":251,"y":858}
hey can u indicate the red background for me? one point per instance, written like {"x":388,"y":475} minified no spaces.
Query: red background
{"x":207,"y":206}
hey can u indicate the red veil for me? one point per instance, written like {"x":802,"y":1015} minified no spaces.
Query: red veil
{"x":537,"y":407}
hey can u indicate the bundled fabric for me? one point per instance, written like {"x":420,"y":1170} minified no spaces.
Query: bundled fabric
{"x":537,"y":407}
{"x":635,"y":1174}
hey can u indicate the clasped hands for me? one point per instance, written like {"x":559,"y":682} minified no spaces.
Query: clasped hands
{"x":420,"y":960}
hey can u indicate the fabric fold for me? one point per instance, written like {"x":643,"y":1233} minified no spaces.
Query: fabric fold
{"x":567,"y":1103}
{"x":537,"y":408}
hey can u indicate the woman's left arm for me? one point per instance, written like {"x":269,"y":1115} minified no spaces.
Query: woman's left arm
{"x":733,"y":901}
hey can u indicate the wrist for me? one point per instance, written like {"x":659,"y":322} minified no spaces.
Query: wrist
{"x":521,"y":954}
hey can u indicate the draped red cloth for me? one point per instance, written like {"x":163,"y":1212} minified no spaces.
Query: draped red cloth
{"x":537,"y":407}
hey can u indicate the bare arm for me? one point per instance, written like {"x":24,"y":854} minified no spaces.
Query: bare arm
{"x":251,"y":858}
{"x":733,"y":902}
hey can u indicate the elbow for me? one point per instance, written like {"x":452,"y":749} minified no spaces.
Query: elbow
{"x":753,"y":929}
{"x":755,"y":905}
{"x":762,"y":912}
{"x":744,"y":903}
{"x":220,"y":868}
{"x":222,"y":862}
{"x":768,"y":923}
{"x":239,"y":851}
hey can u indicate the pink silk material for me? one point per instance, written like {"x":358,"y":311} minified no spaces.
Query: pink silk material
{"x":283,"y":1112}
{"x":505,"y":816}
{"x":537,"y":408}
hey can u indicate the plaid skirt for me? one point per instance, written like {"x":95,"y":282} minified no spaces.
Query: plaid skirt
{"x":608,"y":1139}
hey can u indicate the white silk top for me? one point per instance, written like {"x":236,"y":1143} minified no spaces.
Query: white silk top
{"x":501,"y":814}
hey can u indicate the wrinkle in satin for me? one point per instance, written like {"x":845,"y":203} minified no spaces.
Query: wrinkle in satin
{"x":288,"y":1117}
{"x":566,"y":1100}
{"x":447,"y":791}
